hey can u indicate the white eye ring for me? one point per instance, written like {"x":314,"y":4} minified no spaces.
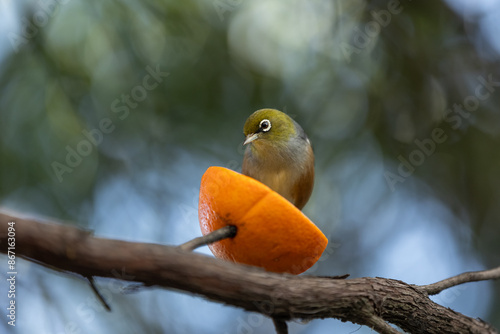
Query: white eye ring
{"x":265,"y":125}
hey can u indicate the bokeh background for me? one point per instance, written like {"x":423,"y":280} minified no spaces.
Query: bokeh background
{"x":111,"y":111}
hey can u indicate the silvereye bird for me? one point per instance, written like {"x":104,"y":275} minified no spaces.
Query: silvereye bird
{"x":279,"y":154}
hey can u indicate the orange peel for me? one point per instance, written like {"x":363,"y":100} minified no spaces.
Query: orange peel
{"x":271,"y":232}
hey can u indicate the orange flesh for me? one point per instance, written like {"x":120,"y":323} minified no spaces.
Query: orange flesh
{"x":272,"y":233}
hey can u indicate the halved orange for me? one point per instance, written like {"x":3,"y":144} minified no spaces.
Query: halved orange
{"x":271,"y":232}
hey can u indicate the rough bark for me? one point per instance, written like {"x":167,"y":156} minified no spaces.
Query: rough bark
{"x":373,"y":302}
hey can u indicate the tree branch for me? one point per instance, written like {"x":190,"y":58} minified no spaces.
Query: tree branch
{"x":381,"y":326}
{"x":472,"y":276}
{"x":280,"y":326}
{"x":222,"y":233}
{"x":98,"y":294}
{"x":373,"y":302}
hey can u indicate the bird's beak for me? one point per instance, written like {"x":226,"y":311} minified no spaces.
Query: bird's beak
{"x":250,"y":138}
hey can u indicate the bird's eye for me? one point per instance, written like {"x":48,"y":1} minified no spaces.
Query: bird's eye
{"x":265,"y":125}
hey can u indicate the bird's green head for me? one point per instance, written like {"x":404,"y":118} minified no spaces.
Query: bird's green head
{"x":269,"y":127}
